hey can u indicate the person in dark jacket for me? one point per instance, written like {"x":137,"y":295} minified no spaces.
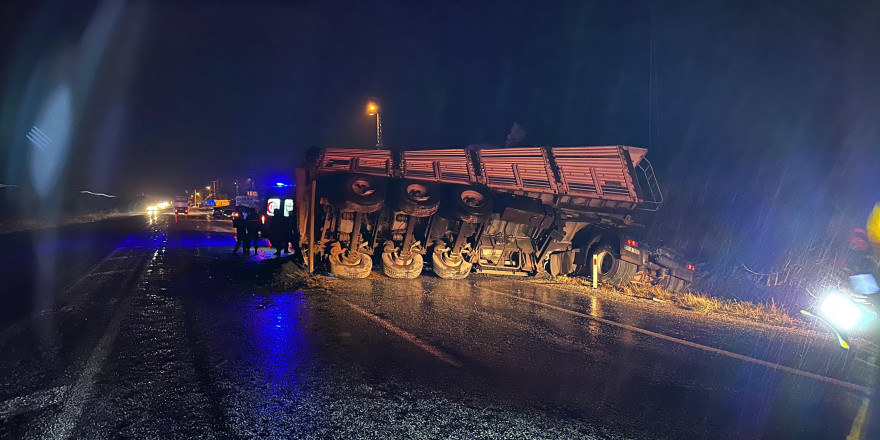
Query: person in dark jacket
{"x":240,"y":225}
{"x":253,"y":226}
{"x":288,"y":233}
{"x":278,"y":232}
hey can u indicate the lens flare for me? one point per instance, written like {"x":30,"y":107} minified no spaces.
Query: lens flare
{"x":840,"y":310}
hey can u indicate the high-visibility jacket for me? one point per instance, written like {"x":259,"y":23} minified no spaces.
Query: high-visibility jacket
{"x":873,"y":226}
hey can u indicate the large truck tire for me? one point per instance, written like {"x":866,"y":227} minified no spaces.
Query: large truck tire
{"x":612,"y":269}
{"x":364,"y":194}
{"x":418,"y":199}
{"x":472,"y":204}
{"x":352,"y":266}
{"x":399,"y":269}
{"x":673,"y":284}
{"x":450,"y":268}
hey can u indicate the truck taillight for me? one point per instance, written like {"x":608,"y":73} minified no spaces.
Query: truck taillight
{"x":690,"y":267}
{"x":632,"y":243}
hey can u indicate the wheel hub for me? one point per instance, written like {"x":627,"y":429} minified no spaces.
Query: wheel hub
{"x":362,"y":187}
{"x":417,"y":192}
{"x":473,"y":198}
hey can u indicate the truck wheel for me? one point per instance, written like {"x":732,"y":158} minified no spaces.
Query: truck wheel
{"x":398,"y":268}
{"x":418,"y":199}
{"x":351,"y":265}
{"x":364,"y":194}
{"x":673,"y":284}
{"x":611,"y":268}
{"x":472,"y":204}
{"x":451,"y":267}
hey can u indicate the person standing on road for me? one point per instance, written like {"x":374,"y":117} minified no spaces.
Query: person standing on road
{"x":288,"y":233}
{"x":238,"y":222}
{"x":253,"y":229}
{"x":294,"y":241}
{"x":278,"y":232}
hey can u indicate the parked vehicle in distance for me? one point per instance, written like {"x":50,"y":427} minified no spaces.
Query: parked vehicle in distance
{"x":508,"y":211}
{"x":181,"y":205}
{"x":218,"y":212}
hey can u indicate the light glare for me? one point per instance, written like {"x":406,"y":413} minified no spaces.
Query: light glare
{"x":841,"y":310}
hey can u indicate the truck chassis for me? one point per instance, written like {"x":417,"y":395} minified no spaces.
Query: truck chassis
{"x":509,"y":211}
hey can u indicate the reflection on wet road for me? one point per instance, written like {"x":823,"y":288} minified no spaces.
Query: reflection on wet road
{"x":177,"y":338}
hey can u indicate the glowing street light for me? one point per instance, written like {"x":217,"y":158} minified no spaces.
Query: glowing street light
{"x":373,"y":109}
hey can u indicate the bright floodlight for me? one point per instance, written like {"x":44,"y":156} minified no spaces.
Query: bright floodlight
{"x":841,"y":310}
{"x":372,"y":108}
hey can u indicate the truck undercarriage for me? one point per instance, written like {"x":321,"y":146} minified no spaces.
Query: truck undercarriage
{"x":509,"y":211}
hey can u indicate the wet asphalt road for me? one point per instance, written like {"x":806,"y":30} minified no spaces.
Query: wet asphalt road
{"x":154,"y":330}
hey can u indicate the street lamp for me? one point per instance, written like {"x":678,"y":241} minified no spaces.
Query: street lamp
{"x":373,"y":109}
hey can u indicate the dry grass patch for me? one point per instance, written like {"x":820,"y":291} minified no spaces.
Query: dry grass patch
{"x":293,"y":276}
{"x":698,"y":302}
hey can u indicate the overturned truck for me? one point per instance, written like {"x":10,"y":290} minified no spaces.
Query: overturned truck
{"x":510,"y":211}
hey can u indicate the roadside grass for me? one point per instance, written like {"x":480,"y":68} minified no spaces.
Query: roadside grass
{"x":7,"y":226}
{"x":698,"y":302}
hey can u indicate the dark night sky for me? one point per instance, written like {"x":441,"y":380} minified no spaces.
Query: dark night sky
{"x":764,"y":110}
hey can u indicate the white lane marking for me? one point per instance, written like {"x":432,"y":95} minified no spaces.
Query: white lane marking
{"x":118,"y":258}
{"x":31,"y":402}
{"x":409,"y":337}
{"x":109,"y":272}
{"x":819,"y":377}
{"x":63,"y":425}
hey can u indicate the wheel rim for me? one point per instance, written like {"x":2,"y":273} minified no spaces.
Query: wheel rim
{"x":451,"y":261}
{"x":362,"y":187}
{"x":347,"y":258}
{"x":472,"y":198}
{"x":417,"y":192}
{"x":606,"y":262}
{"x":395,"y":259}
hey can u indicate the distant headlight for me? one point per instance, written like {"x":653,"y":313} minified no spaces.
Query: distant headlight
{"x":840,"y":310}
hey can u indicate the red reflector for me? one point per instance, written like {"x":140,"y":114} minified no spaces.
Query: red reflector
{"x":632,"y":243}
{"x":690,"y":267}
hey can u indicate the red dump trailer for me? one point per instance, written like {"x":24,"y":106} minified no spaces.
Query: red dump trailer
{"x":511,"y":211}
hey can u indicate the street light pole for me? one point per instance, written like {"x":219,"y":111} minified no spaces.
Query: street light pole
{"x":379,"y":144}
{"x":373,"y":109}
